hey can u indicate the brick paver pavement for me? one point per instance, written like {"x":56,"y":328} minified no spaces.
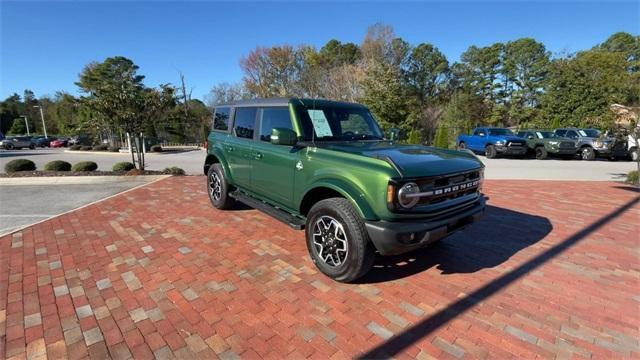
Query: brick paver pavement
{"x":551,"y":271}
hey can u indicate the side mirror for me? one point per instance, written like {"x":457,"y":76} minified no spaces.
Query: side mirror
{"x":283,"y":136}
{"x":394,"y":134}
{"x":529,"y":137}
{"x":482,"y":134}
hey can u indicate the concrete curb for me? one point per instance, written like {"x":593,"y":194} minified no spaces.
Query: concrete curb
{"x":98,"y":152}
{"x":77,"y":180}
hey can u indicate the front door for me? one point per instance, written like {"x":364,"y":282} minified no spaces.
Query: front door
{"x":274,"y":165}
{"x":239,"y":145}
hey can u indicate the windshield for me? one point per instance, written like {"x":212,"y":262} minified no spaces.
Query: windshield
{"x":500,"y":132}
{"x":338,"y":123}
{"x":589,"y":132}
{"x":545,"y":134}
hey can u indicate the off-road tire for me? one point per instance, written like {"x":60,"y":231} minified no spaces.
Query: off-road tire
{"x":462,"y":146}
{"x":360,"y":252}
{"x":587,"y":153}
{"x":541,"y":153}
{"x":223,"y":201}
{"x":490,"y":152}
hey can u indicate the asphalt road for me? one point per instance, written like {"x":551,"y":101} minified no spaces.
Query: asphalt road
{"x":191,"y":162}
{"x":31,"y":201}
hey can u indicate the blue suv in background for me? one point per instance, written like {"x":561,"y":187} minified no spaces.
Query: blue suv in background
{"x":493,"y":142}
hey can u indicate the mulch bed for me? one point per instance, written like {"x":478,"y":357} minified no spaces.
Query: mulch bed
{"x":39,"y":173}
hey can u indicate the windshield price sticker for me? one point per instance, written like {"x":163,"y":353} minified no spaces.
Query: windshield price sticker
{"x":320,"y":123}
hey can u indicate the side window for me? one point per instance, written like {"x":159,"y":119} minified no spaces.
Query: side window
{"x":273,"y":118}
{"x":522,"y":134}
{"x":245,"y":121}
{"x":355,"y":124}
{"x":479,"y":132}
{"x":221,"y":118}
{"x":572,"y":134}
{"x":561,"y":132}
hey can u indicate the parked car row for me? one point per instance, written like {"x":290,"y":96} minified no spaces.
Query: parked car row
{"x":565,"y":142}
{"x":32,"y":142}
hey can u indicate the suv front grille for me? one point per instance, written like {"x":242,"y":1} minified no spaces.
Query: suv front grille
{"x":515,"y":143}
{"x":449,"y":187}
{"x":567,"y":145}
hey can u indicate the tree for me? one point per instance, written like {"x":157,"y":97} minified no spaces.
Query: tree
{"x":118,"y":98}
{"x":271,"y":71}
{"x":224,"y":93}
{"x":383,"y":93}
{"x":19,"y":127}
{"x":10,"y":109}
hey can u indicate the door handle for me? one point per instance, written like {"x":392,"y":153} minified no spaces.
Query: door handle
{"x":257,"y":155}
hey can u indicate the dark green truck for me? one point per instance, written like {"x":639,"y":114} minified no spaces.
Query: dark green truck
{"x":542,"y":144}
{"x":326,"y":167}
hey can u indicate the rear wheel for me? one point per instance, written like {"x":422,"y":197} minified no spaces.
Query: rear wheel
{"x":587,"y":153}
{"x":218,"y":188}
{"x":490,"y":152}
{"x":32,"y":146}
{"x":337,"y":240}
{"x":541,"y":153}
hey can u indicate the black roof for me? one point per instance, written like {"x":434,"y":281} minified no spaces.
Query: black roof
{"x":284,"y":101}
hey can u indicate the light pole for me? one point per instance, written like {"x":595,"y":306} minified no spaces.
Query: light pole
{"x":44,"y":127}
{"x":26,"y":123}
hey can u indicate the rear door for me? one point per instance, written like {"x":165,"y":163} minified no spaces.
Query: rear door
{"x":238,"y":146}
{"x":273,"y":165}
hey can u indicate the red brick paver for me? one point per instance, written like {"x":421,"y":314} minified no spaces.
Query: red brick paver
{"x":551,"y":271}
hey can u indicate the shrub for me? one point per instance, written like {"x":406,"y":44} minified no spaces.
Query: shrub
{"x":19,"y":165}
{"x":174,"y":170}
{"x":633,"y":178}
{"x":86,"y":148}
{"x":75,"y":147}
{"x":156,"y":148}
{"x":85,"y":166}
{"x":123,"y":166}
{"x":101,"y":147}
{"x":57,"y":165}
{"x":114,"y":148}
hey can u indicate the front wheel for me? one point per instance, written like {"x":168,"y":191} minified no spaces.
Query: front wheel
{"x":337,"y":240}
{"x":218,"y":188}
{"x":541,"y":153}
{"x":587,"y":153}
{"x":490,"y":152}
{"x":9,"y":146}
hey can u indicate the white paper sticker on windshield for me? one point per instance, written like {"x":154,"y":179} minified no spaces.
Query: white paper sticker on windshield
{"x":582,"y":133}
{"x":320,"y":123}
{"x":539,"y":135}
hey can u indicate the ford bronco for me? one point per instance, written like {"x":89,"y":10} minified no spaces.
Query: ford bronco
{"x":326,"y":167}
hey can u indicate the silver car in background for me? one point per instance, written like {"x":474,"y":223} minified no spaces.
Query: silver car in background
{"x":17,"y":142}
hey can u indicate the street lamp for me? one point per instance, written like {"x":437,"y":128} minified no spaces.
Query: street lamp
{"x":44,"y":127}
{"x":26,"y":123}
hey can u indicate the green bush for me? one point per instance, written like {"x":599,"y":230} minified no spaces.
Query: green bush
{"x":114,"y":148}
{"x":123,"y":166}
{"x":633,"y":178}
{"x":86,"y":148}
{"x":414,"y":137}
{"x":75,"y":147}
{"x":85,"y":166}
{"x":19,"y":165}
{"x":156,"y":148}
{"x":174,"y":170}
{"x":57,"y":165}
{"x":101,"y":147}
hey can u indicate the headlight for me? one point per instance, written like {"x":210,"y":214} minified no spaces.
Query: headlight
{"x":405,"y":198}
{"x":500,"y":142}
{"x":554,"y":143}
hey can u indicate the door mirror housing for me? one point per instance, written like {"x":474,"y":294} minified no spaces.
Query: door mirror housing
{"x":394,"y":134}
{"x":283,"y":136}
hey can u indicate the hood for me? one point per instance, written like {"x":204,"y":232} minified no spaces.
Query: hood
{"x":411,"y":160}
{"x":507,"y":138}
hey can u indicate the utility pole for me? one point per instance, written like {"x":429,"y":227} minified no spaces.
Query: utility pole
{"x":26,"y":123}
{"x":44,"y":127}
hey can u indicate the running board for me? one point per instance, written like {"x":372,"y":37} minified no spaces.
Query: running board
{"x":279,"y":214}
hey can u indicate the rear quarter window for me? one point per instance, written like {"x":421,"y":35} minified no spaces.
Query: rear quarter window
{"x":221,"y":118}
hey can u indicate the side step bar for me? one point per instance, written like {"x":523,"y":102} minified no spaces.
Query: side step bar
{"x":279,"y":214}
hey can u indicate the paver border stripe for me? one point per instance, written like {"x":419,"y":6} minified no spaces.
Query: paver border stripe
{"x":160,"y":178}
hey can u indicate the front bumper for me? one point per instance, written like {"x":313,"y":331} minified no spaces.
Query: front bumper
{"x":511,"y":150}
{"x":392,"y":238}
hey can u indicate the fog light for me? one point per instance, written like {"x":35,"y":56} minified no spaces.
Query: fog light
{"x":407,"y":238}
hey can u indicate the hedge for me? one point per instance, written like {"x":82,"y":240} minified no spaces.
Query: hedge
{"x":123,"y":166}
{"x":85,"y":166}
{"x":19,"y":165}
{"x":174,"y":170}
{"x":57,"y":165}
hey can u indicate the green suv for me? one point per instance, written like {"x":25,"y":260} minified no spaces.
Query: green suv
{"x":326,"y":167}
{"x":545,"y":143}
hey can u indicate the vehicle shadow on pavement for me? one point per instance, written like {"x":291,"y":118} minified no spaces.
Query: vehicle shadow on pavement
{"x":500,"y":234}
{"x":16,"y":154}
{"x":628,"y":188}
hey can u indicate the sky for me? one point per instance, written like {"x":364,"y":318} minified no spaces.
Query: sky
{"x":45,"y":45}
